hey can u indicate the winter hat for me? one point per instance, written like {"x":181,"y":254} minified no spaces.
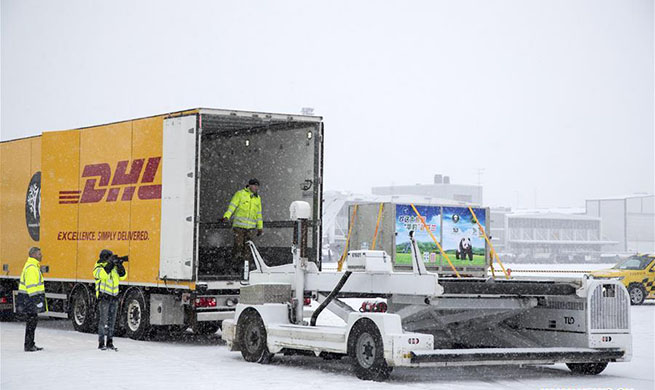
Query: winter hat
{"x":105,"y":254}
{"x":253,"y":182}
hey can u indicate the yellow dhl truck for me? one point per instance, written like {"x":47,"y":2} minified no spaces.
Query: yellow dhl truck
{"x":637,"y":273}
{"x":154,"y":189}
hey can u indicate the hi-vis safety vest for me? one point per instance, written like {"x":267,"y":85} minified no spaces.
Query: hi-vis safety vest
{"x":31,"y":285}
{"x":107,"y":283}
{"x":246,"y":208}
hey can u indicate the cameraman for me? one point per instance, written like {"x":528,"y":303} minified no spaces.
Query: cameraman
{"x":107,"y":272}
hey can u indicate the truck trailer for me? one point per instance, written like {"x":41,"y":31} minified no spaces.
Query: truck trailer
{"x":154,"y":189}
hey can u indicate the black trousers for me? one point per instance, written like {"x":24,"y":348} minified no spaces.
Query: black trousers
{"x":107,"y":307}
{"x":31,"y":320}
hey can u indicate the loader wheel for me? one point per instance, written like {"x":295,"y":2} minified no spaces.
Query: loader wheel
{"x":637,"y":293}
{"x":135,"y":316}
{"x":252,"y":338}
{"x":587,"y":368}
{"x":83,"y":311}
{"x":366,"y":351}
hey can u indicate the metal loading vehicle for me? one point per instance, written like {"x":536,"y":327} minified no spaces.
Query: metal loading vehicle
{"x":429,"y":321}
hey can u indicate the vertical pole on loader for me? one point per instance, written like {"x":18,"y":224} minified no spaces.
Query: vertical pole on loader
{"x":300,"y":265}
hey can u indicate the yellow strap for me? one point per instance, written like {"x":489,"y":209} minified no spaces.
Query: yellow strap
{"x":377,"y":225}
{"x":495,"y":255}
{"x":435,"y":240}
{"x":345,"y":248}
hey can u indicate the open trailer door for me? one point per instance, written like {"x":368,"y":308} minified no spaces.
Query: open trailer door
{"x":284,"y":153}
{"x":178,"y":198}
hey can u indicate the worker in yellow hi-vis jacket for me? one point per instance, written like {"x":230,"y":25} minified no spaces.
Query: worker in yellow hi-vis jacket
{"x":31,"y":296}
{"x":245,"y":209}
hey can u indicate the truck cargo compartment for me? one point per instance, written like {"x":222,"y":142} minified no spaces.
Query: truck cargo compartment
{"x":284,"y":154}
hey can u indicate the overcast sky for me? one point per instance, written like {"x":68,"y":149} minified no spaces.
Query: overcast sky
{"x":554,"y":99}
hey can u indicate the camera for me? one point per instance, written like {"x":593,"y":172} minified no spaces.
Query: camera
{"x":118,"y":259}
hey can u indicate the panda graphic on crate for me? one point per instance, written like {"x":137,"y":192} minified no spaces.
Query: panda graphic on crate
{"x":465,"y":249}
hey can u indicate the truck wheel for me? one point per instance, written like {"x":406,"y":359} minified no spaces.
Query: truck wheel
{"x":366,"y":350}
{"x":637,"y":293}
{"x":83,"y":311}
{"x":135,"y":315}
{"x":587,"y":368}
{"x":252,"y":338}
{"x":205,"y":327}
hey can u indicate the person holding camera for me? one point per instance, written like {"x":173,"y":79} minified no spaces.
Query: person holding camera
{"x":108,"y":272}
{"x":245,"y":209}
{"x":31,"y":296}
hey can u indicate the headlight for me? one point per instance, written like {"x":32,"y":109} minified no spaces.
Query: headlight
{"x":620,"y":278}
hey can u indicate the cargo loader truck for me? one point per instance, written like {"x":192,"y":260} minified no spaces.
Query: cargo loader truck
{"x":425,"y":320}
{"x":153,"y":189}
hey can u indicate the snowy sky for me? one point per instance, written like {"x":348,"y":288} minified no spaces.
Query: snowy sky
{"x":554,"y":99}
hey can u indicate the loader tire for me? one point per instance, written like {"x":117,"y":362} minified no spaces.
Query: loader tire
{"x":587,"y":368}
{"x":366,"y":351}
{"x":637,"y":293}
{"x":83,"y":311}
{"x":252,"y":338}
{"x":135,"y":316}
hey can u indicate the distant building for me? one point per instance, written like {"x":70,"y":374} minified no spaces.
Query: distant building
{"x":440,"y":188}
{"x":546,"y":235}
{"x":629,"y":221}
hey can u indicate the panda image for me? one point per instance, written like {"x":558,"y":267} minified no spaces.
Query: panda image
{"x":465,"y":249}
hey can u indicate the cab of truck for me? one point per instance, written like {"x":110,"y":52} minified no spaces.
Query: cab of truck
{"x":637,"y":273}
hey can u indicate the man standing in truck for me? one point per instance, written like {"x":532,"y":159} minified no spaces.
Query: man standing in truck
{"x":245,"y":209}
{"x":108,"y":272}
{"x":31,"y":296}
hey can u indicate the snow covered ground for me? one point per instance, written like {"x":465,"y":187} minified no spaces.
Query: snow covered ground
{"x":71,"y":361}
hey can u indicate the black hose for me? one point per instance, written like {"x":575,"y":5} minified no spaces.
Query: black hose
{"x":329,"y":298}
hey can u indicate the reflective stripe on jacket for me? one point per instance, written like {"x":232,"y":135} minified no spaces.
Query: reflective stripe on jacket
{"x":107,"y":283}
{"x":246,"y":210}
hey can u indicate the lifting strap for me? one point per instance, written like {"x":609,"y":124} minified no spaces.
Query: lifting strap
{"x":345,"y":248}
{"x":377,"y":225}
{"x":427,"y":229}
{"x":493,"y":251}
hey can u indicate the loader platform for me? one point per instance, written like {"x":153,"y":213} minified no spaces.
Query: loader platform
{"x":488,"y":356}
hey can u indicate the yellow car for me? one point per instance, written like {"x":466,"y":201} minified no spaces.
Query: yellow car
{"x":637,"y":273}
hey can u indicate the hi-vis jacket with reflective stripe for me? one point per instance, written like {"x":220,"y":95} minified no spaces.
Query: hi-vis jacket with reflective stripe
{"x":246,"y":208}
{"x":31,"y":289}
{"x":107,"y":283}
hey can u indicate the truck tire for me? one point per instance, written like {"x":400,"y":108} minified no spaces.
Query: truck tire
{"x":366,"y":351}
{"x":252,"y":338}
{"x":135,"y":315}
{"x":83,"y":311}
{"x":587,"y":368}
{"x":205,"y":327}
{"x":637,"y":293}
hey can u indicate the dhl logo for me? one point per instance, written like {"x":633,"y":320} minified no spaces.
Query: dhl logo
{"x":99,"y":175}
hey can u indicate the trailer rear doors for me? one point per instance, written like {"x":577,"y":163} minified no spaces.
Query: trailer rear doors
{"x":209,"y":156}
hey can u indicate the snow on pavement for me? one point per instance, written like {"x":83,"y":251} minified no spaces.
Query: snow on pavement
{"x":71,"y":361}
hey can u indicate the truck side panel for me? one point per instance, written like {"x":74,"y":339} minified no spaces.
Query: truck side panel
{"x":61,"y":186}
{"x":144,"y":253}
{"x":103,"y":191}
{"x":101,"y":149}
{"x":20,"y":160}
